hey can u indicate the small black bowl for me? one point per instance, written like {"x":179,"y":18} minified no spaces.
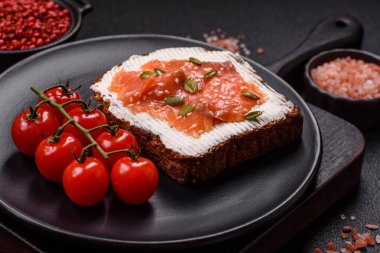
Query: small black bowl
{"x":76,"y":8}
{"x":364,"y":113}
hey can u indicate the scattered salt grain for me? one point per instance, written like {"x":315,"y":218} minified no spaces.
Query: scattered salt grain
{"x":260,"y":51}
{"x":372,"y":226}
{"x":377,"y":238}
{"x":232,"y":43}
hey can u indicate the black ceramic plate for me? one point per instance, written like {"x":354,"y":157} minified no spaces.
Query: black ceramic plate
{"x":234,"y":202}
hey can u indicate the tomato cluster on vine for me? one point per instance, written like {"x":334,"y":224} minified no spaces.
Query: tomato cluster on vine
{"x":74,"y":144}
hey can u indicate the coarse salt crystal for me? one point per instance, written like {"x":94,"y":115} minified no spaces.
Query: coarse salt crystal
{"x":348,"y":77}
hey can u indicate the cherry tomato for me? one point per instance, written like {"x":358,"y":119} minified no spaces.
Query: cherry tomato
{"x":86,"y":183}
{"x":134,"y":182}
{"x":87,"y":120}
{"x":122,"y":139}
{"x":53,"y":156}
{"x":59,"y":96}
{"x":29,"y":129}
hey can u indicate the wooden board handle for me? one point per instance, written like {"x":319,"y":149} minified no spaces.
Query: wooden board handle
{"x":342,"y":31}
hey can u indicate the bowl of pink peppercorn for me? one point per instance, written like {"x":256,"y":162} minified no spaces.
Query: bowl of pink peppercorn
{"x":29,"y":26}
{"x":346,"y":82}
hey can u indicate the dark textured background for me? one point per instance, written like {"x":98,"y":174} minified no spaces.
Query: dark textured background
{"x":277,"y":26}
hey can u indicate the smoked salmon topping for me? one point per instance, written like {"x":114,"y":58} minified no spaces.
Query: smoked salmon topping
{"x":192,"y":96}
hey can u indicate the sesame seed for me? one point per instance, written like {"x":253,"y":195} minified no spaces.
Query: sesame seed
{"x":166,"y":91}
{"x":150,"y":92}
{"x":189,"y":113}
{"x":176,"y":80}
{"x":138,"y":102}
{"x":131,"y":99}
{"x":200,"y":131}
{"x":193,"y":125}
{"x":144,"y":97}
{"x":136,"y":94}
{"x":160,"y":84}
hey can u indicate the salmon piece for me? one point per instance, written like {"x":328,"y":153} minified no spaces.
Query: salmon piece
{"x":224,"y":100}
{"x":218,"y":99}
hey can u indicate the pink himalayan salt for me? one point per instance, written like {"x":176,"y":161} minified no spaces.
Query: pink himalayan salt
{"x":349,"y":77}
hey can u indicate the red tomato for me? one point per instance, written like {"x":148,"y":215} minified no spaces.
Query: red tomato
{"x":86,"y":183}
{"x":48,"y":153}
{"x":134,"y":181}
{"x":29,"y":130}
{"x":108,"y":142}
{"x":87,"y":120}
{"x":59,"y":96}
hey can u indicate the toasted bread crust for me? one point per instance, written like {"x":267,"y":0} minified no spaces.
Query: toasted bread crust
{"x":188,"y":169}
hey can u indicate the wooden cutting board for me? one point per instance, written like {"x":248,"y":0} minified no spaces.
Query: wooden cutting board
{"x":343,"y":147}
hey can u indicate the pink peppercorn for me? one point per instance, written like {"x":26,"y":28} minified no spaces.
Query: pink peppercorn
{"x":27,"y":24}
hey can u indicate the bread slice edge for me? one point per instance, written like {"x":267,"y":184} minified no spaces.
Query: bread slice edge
{"x":237,"y":149}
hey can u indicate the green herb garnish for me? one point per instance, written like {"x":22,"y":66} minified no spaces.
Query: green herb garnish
{"x":250,"y":95}
{"x":145,"y":74}
{"x":174,"y":100}
{"x":158,"y":72}
{"x":210,"y":74}
{"x":190,"y":86}
{"x":186,"y":110}
{"x":253,"y":115}
{"x":195,"y":61}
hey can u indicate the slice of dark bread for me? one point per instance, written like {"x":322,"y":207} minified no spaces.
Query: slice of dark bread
{"x":187,"y":159}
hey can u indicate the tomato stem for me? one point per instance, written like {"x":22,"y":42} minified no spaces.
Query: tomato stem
{"x":131,"y":153}
{"x":98,"y":127}
{"x":60,"y":108}
{"x":65,"y":88}
{"x":86,"y":132}
{"x":59,"y":131}
{"x":33,"y":111}
{"x":85,"y":152}
{"x":78,"y":101}
{"x":113,"y":128}
{"x":86,"y":107}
